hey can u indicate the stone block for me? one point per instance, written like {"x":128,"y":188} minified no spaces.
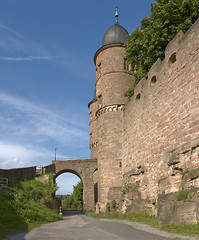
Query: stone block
{"x":178,"y":212}
{"x":140,"y":206}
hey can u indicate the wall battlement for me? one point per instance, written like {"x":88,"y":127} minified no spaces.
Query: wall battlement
{"x":161,"y":119}
{"x":179,"y":52}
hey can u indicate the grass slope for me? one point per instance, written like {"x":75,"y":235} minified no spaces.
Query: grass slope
{"x":22,"y":206}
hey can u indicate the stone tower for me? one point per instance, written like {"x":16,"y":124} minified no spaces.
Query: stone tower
{"x":113,"y":78}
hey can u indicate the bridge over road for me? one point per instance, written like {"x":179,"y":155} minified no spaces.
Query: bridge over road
{"x":84,"y":169}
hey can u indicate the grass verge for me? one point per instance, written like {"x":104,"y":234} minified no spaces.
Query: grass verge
{"x":22,"y":207}
{"x":189,"y":230}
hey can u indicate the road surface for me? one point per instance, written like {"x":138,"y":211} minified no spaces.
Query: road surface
{"x":76,"y":226}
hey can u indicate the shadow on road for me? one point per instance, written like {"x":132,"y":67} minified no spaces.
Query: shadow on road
{"x":72,"y":213}
{"x":20,"y":236}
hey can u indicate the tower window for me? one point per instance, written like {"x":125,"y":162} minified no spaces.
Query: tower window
{"x":99,"y":68}
{"x":99,"y":99}
{"x":126,"y":65}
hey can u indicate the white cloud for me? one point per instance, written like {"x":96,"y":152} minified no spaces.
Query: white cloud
{"x":28,"y":130}
{"x":29,"y":58}
{"x":16,"y":47}
{"x":17,"y":44}
{"x":15,"y":155}
{"x":45,"y":122}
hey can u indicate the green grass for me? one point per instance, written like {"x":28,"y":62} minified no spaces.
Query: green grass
{"x":22,"y":206}
{"x":134,"y":217}
{"x":190,"y":230}
{"x":10,"y":222}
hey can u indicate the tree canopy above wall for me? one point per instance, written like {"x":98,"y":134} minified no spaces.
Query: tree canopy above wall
{"x":147,"y":43}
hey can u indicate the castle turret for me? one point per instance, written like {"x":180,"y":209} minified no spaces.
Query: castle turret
{"x":113,"y":78}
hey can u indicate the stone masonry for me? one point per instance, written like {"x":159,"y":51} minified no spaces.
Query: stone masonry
{"x":84,"y":169}
{"x":144,"y":150}
{"x":106,"y":111}
{"x":147,"y":147}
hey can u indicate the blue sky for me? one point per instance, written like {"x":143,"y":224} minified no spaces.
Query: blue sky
{"x":47,"y":76}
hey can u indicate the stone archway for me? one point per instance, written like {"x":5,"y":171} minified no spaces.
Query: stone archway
{"x":66,"y":181}
{"x":84,"y":169}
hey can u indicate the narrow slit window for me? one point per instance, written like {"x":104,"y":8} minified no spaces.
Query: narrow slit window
{"x":126,"y":65}
{"x":99,"y":68}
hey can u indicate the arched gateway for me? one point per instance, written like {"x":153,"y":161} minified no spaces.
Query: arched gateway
{"x":84,"y":169}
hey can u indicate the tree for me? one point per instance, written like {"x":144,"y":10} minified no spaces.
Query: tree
{"x":75,"y":200}
{"x":147,"y":43}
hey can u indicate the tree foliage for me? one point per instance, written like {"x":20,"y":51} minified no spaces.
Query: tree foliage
{"x":23,"y":204}
{"x":75,"y":200}
{"x":147,"y":43}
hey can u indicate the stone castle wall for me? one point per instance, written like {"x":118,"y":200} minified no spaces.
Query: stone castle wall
{"x":161,"y":122}
{"x":16,"y":174}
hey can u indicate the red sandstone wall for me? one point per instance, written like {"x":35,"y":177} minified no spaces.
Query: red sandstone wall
{"x":93,"y":129}
{"x":112,"y":80}
{"x":163,"y":119}
{"x":110,"y":152}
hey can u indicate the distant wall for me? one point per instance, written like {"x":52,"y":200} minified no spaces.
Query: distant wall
{"x":48,"y":169}
{"x":18,"y":173}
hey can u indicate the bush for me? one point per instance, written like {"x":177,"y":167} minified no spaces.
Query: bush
{"x":22,"y":205}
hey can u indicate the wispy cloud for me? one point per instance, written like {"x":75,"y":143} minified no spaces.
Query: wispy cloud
{"x":15,"y":43}
{"x":18,"y":48}
{"x":16,"y":155}
{"x":45,"y":122}
{"x":29,"y":58}
{"x":28,"y":130}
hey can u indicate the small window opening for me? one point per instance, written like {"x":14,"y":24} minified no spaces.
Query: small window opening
{"x":126,"y":65}
{"x":138,"y":96}
{"x":100,"y":100}
{"x":172,"y":59}
{"x":153,"y":80}
{"x":120,"y":164}
{"x":99,"y":68}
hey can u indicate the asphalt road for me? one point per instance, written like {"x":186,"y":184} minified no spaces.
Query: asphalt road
{"x":76,"y":226}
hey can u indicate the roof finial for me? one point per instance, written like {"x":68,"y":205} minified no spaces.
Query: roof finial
{"x":116,"y":15}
